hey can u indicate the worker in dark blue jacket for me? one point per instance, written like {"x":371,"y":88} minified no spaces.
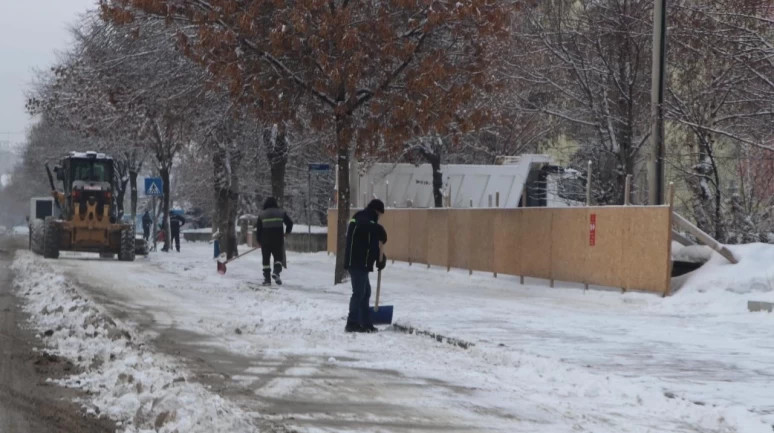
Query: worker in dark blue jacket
{"x":365,"y":239}
{"x":270,"y":230}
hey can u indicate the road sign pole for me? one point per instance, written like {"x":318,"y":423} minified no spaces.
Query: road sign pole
{"x":155,"y":234}
{"x":308,"y":204}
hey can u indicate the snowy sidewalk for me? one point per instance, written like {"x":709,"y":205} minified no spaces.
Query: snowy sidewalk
{"x":550,"y":360}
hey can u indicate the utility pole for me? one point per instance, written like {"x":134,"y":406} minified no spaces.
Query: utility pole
{"x":657,"y":149}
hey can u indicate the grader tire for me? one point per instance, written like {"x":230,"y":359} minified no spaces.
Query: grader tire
{"x":127,"y":253}
{"x":51,"y":239}
{"x":37,"y":232}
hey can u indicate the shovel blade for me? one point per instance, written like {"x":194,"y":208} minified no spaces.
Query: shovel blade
{"x":221,"y":268}
{"x":382,"y":316}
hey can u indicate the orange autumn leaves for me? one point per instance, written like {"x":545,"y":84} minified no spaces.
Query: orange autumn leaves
{"x":397,"y":68}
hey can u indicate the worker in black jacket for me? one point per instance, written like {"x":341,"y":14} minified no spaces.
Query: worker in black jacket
{"x":175,"y":222}
{"x":146,"y":225}
{"x":365,"y":241}
{"x":270,"y":230}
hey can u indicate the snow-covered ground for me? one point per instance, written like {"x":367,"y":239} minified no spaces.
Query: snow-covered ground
{"x":543,"y":360}
{"x":143,"y":391}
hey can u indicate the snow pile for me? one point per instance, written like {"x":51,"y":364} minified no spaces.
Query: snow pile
{"x":300,"y":228}
{"x":143,"y":392}
{"x":721,"y":287}
{"x":21,"y":230}
{"x":692,"y":254}
{"x":201,"y":230}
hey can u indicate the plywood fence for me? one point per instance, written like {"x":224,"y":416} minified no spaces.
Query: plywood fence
{"x":624,"y":247}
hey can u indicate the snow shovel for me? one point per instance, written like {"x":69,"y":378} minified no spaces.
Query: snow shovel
{"x":223,"y":260}
{"x":380,"y":315}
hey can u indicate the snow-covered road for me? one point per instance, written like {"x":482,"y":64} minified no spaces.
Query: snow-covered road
{"x":544,"y":360}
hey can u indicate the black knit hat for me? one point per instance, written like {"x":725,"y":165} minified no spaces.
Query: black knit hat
{"x":376,"y":205}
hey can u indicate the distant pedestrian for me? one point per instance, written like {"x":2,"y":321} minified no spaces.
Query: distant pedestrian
{"x":365,"y":240}
{"x":175,"y":222}
{"x":272,"y":226}
{"x":146,"y":225}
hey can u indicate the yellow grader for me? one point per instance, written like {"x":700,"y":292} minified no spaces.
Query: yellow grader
{"x":87,"y":217}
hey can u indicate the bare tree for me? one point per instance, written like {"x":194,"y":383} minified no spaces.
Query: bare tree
{"x":587,"y":63}
{"x":129,"y":80}
{"x":368,"y":68}
{"x":719,"y":103}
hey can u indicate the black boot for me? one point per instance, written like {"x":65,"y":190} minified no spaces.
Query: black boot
{"x":354,"y":327}
{"x":266,"y":277}
{"x":370,"y":328}
{"x":276,"y":274}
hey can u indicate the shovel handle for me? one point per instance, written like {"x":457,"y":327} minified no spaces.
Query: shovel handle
{"x":241,"y":255}
{"x":222,"y":265}
{"x":378,"y":290}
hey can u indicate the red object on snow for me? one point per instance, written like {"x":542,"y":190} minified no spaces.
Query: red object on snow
{"x":223,"y":260}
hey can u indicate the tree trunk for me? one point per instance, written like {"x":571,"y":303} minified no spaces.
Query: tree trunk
{"x":720,"y":231}
{"x":223,"y":202}
{"x":235,"y":158}
{"x":222,"y":205}
{"x":342,"y":149}
{"x":276,"y":142}
{"x":437,"y":181}
{"x":627,"y":164}
{"x":233,"y":240}
{"x":166,"y":203}
{"x":278,"y":181}
{"x":120,"y":199}
{"x":133,"y":192}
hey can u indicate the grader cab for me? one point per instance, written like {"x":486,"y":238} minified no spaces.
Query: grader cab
{"x":85,"y":217}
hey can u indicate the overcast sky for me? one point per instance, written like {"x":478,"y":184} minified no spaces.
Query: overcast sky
{"x":31,"y":32}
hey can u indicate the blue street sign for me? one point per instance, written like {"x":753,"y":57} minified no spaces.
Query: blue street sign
{"x":154,"y":187}
{"x":319,"y":167}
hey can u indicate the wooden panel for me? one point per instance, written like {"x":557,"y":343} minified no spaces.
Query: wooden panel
{"x":506,"y":244}
{"x":438,"y":237}
{"x":397,"y":226}
{"x":332,"y":216}
{"x":631,"y":243}
{"x":459,"y":237}
{"x":481,"y":240}
{"x":388,"y":222}
{"x":569,"y":244}
{"x":535,"y":243}
{"x":418,"y":236}
{"x":647,"y":242}
{"x":604,"y":259}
